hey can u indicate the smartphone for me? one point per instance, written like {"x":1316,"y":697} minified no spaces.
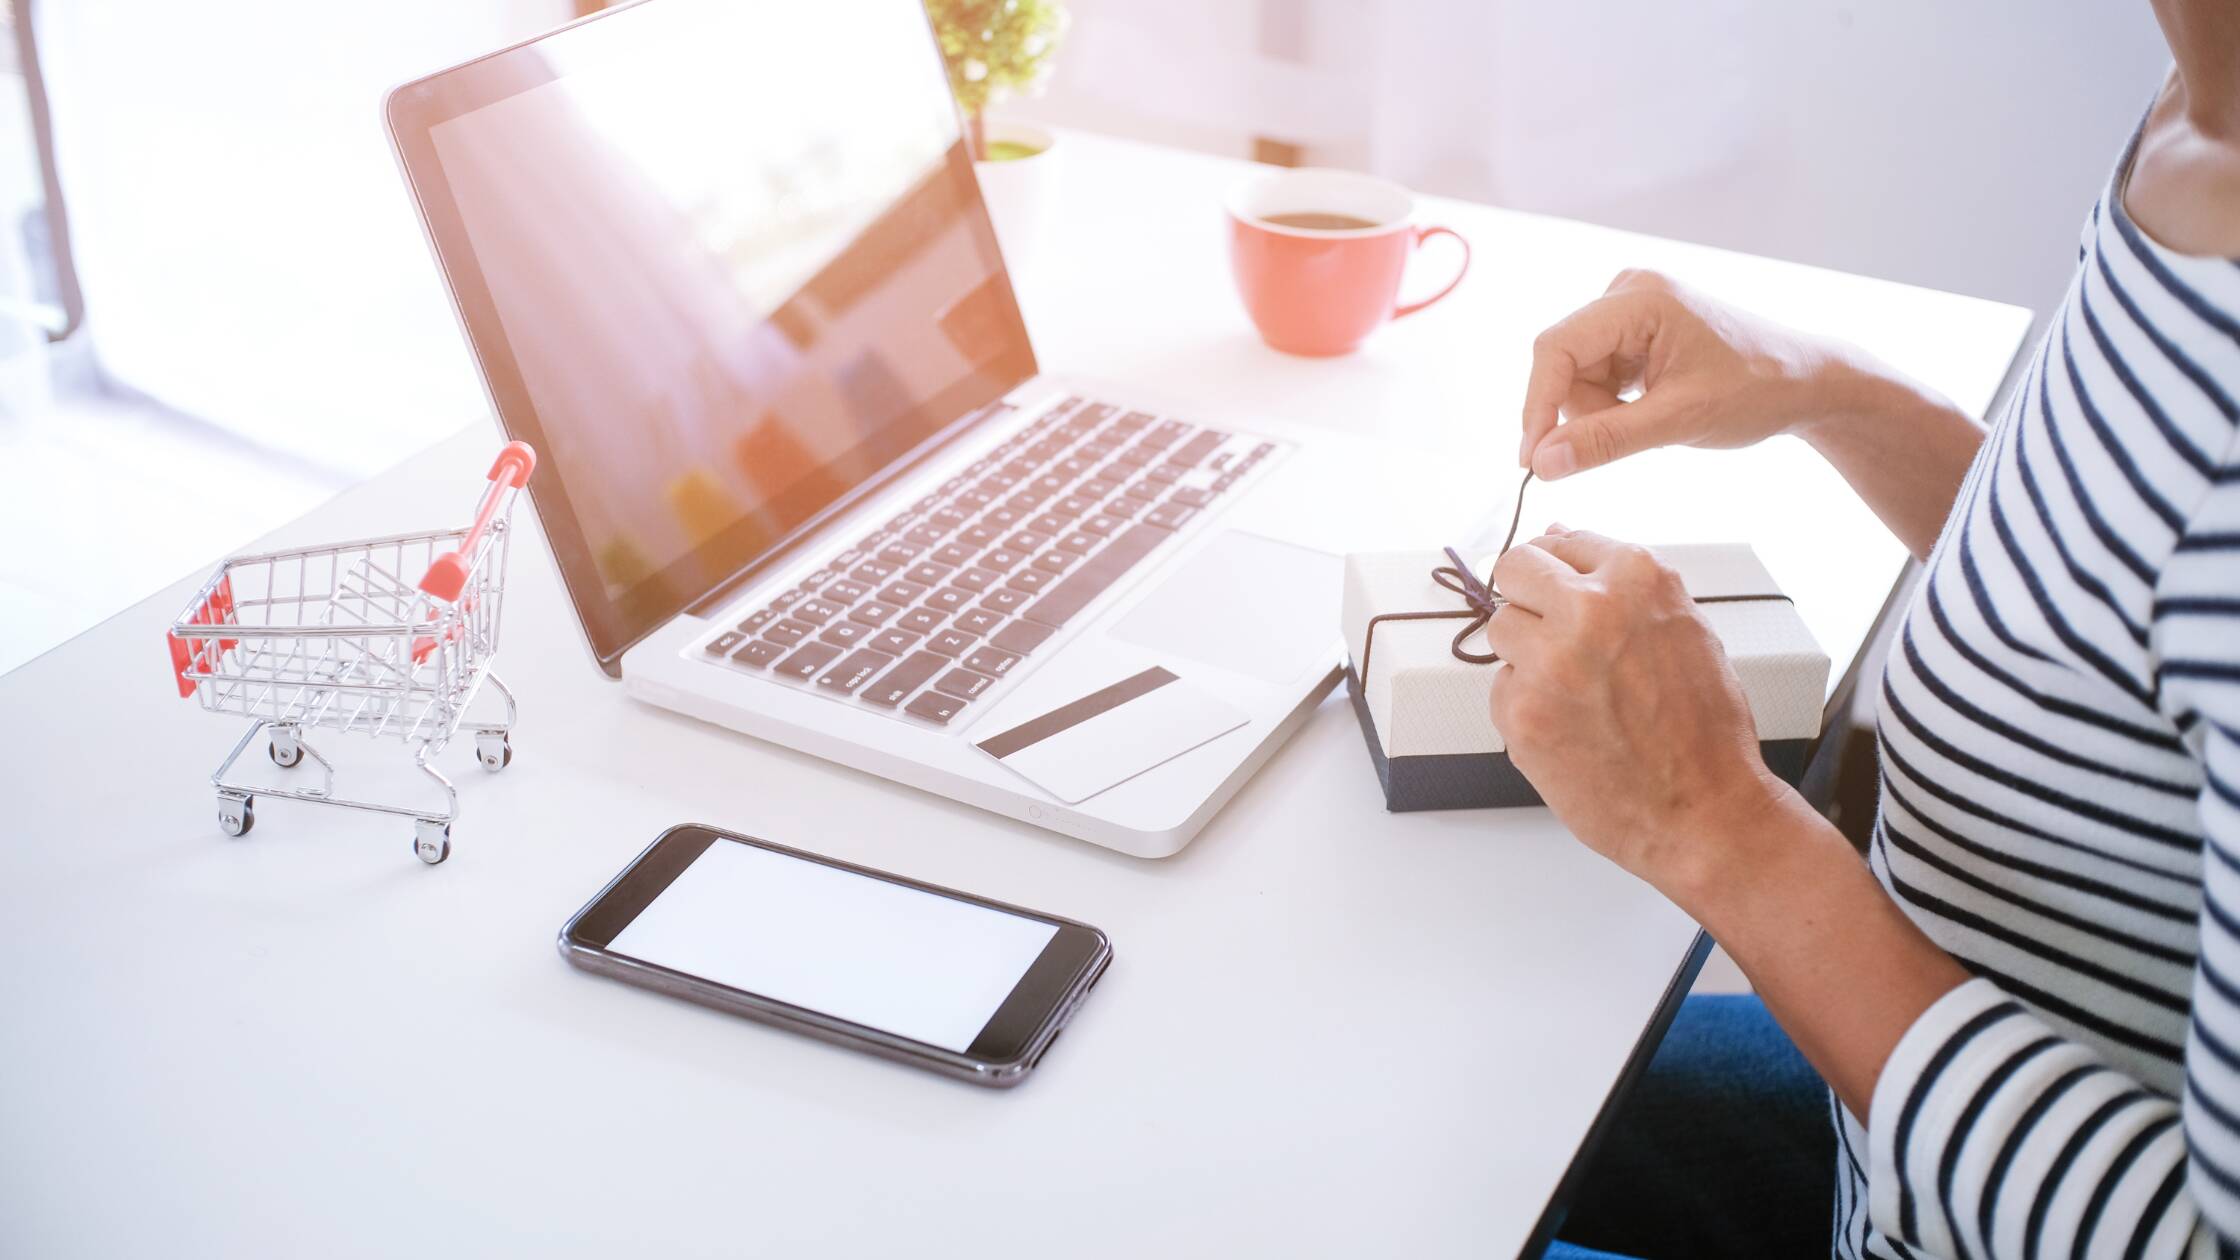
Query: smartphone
{"x":930,"y":976}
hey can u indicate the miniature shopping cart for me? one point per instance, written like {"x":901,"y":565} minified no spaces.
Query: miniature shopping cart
{"x":390,"y":638}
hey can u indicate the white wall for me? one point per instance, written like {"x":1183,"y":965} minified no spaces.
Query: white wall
{"x":1950,"y":145}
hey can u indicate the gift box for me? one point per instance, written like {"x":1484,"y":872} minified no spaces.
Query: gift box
{"x":1422,"y":694}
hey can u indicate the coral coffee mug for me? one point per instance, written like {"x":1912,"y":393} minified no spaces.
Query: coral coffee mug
{"x":1319,"y":254}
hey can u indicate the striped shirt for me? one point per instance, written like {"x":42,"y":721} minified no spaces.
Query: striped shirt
{"x":2060,"y":749}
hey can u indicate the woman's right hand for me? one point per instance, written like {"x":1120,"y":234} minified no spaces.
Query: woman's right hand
{"x":1706,"y":375}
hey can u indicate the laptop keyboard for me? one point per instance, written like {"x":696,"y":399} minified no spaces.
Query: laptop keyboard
{"x":930,"y":613}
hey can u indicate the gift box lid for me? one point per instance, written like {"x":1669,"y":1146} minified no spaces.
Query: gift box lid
{"x":1423,"y":700}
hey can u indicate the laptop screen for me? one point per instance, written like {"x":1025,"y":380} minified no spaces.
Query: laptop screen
{"x":723,"y":262}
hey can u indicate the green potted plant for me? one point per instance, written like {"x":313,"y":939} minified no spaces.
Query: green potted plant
{"x":996,"y":49}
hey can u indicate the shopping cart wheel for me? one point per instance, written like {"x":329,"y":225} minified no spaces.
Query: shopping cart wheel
{"x":285,"y":752}
{"x":431,"y":842}
{"x":493,"y":749}
{"x":236,"y":814}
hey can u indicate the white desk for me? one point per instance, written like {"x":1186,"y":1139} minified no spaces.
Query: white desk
{"x":1328,"y":1030}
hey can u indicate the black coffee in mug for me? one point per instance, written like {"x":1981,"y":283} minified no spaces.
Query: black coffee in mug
{"x":1319,"y":221}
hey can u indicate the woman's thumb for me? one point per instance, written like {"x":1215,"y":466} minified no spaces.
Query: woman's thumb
{"x":1601,"y":437}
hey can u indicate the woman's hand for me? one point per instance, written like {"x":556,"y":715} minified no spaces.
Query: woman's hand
{"x":1708,"y":375}
{"x":1617,"y":702}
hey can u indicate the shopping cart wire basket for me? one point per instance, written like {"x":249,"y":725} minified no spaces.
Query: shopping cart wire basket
{"x":345,"y":638}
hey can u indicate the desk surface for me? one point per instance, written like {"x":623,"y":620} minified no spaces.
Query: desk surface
{"x":1327,"y":1030}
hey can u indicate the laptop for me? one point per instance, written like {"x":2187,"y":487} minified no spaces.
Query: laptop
{"x":725,"y":265}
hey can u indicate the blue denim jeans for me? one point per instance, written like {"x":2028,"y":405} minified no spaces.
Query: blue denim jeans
{"x":1724,"y":1148}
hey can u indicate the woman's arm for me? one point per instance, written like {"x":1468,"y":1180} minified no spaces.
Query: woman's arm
{"x":1991,"y":1133}
{"x":1709,"y":375}
{"x":1612,"y":677}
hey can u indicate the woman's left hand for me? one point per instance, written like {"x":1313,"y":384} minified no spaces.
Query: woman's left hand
{"x":1617,"y":702}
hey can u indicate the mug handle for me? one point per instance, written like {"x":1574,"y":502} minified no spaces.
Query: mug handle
{"x":1424,"y":234}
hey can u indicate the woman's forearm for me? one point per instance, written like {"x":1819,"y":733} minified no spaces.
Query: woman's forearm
{"x":1903,"y":449}
{"x":1834,"y":958}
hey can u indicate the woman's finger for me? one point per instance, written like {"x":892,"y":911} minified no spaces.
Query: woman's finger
{"x":1581,"y":550}
{"x":1570,"y":348}
{"x":1517,"y":635}
{"x":1586,"y":398}
{"x":1534,"y":578}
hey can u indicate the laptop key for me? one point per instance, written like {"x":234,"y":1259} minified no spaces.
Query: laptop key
{"x":1029,"y":580}
{"x":947,"y":518}
{"x":758,"y":654}
{"x":1102,"y":525}
{"x":1022,"y":637}
{"x":1132,"y":421}
{"x":979,"y":535}
{"x":1192,"y":497}
{"x":1025,"y":543}
{"x":1169,"y":516}
{"x":1146,"y":490}
{"x":1055,"y":563}
{"x":845,"y":591}
{"x":1098,"y":487}
{"x":900,"y":554}
{"x":1003,"y":600}
{"x":948,"y":599}
{"x":757,"y":621}
{"x":789,"y":632}
{"x":1057,"y":605}
{"x":1070,"y":508}
{"x":816,"y":611}
{"x":894,"y":642}
{"x":928,"y":574}
{"x":870,"y":573}
{"x":901,"y":594}
{"x":919,"y":621}
{"x":1123,"y":507}
{"x":1197,"y":448}
{"x":951,"y":642}
{"x":925,"y":535}
{"x":977,"y":580}
{"x":935,"y":707}
{"x":846,"y":633}
{"x":963,"y":684}
{"x":952,"y":554}
{"x":978,"y":621}
{"x":854,"y":672}
{"x":1000,"y":518}
{"x":1052,"y":523}
{"x":873,"y":614}
{"x":1080,"y":542}
{"x":786,"y":600}
{"x":992,"y":661}
{"x":1002,"y":560}
{"x":895,"y":686}
{"x":807,"y":660}
{"x":722,"y":644}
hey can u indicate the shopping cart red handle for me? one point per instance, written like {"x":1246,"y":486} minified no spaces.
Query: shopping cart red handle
{"x":448,"y":575}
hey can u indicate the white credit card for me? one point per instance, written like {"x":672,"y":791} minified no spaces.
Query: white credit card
{"x":1112,"y":735}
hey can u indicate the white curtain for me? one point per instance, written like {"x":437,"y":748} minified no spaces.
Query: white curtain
{"x":1950,"y":145}
{"x":244,"y":240}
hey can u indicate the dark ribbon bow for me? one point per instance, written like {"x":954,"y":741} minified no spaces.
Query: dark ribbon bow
{"x":1481,"y":597}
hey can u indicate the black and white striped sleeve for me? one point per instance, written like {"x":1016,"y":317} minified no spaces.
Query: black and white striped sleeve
{"x":1995,"y":1136}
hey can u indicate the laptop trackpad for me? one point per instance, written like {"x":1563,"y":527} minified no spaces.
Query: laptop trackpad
{"x":1245,"y":603}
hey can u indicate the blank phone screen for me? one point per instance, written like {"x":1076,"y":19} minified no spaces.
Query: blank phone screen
{"x":912,"y":963}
